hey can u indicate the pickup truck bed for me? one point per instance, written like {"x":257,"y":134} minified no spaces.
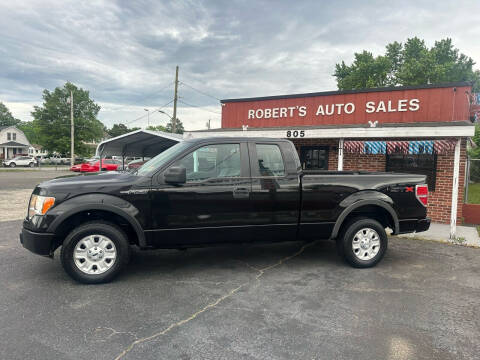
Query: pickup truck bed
{"x":339,"y":190}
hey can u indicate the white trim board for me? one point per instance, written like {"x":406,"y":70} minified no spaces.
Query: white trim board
{"x":351,"y":133}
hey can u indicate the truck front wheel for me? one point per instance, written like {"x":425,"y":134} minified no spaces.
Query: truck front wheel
{"x":95,"y":252}
{"x":362,"y":242}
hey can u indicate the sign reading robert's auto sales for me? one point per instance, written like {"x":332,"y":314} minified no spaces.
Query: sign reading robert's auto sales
{"x":398,"y":105}
{"x":332,"y":109}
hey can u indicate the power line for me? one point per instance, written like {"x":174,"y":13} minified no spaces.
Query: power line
{"x":144,"y":116}
{"x":148,"y":97}
{"x":199,"y":107}
{"x":200,"y":91}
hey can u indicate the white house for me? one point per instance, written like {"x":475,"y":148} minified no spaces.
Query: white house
{"x":37,"y":150}
{"x":12,"y":142}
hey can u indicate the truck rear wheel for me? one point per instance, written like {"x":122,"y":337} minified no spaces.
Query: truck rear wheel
{"x":362,"y":242}
{"x":95,"y":252}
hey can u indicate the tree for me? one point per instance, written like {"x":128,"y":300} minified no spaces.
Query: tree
{"x":157,"y":128}
{"x":52,"y":120}
{"x":6,"y":117}
{"x":178,"y":126}
{"x":412,"y":63}
{"x":30,"y":131}
{"x":120,"y":129}
{"x":475,"y":152}
{"x":365,"y":72}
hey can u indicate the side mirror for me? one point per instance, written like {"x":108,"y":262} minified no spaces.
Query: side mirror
{"x":176,"y":175}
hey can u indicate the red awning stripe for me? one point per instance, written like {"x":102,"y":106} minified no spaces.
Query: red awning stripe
{"x":397,"y":147}
{"x":444,"y":146}
{"x":354,"y":146}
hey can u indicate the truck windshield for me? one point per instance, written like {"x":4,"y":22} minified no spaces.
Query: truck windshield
{"x":162,"y":158}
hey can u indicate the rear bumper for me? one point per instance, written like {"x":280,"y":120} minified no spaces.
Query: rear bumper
{"x":38,"y":243}
{"x":414,"y":225}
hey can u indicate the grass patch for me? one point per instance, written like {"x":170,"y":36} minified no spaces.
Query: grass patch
{"x":474,"y":193}
{"x":478,"y":230}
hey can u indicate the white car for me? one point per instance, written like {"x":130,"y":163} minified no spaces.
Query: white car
{"x":21,"y":161}
{"x":56,"y":160}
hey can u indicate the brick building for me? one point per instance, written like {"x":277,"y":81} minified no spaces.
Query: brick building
{"x":422,"y":129}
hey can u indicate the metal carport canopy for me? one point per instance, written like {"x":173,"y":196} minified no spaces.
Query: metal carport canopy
{"x":138,"y":143}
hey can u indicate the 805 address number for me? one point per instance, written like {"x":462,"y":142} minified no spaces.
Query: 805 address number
{"x":295,"y":133}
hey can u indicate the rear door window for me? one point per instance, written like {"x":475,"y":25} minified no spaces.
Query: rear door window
{"x":270,"y":160}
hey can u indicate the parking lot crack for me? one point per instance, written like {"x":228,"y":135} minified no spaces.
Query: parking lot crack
{"x":108,"y":333}
{"x":260,"y":273}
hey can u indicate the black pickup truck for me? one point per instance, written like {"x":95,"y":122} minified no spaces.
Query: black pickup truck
{"x":214,"y":191}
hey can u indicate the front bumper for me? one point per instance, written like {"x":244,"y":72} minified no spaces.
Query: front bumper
{"x":38,"y":243}
{"x":414,"y":225}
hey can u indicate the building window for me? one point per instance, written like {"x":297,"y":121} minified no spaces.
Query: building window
{"x":314,"y":157}
{"x":420,"y":163}
{"x":9,"y":136}
{"x":14,"y":136}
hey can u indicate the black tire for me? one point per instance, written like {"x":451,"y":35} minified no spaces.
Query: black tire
{"x":31,"y":164}
{"x":12,"y":165}
{"x":347,"y":236}
{"x":113,"y":233}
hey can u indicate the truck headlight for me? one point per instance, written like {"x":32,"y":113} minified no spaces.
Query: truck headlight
{"x":39,"y":205}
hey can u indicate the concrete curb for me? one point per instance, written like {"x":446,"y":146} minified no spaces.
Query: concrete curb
{"x":41,"y":168}
{"x":466,"y":235}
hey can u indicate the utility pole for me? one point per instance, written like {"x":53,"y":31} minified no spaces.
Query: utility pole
{"x":72,"y":132}
{"x":148,"y":117}
{"x":174,"y":118}
{"x":208,"y":124}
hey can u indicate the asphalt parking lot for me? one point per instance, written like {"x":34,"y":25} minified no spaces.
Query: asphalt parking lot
{"x":16,"y":185}
{"x":281,"y":301}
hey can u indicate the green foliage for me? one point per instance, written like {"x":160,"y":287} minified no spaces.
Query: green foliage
{"x":474,"y":193}
{"x":157,"y":128}
{"x":411,"y":63}
{"x":6,"y":117}
{"x":52,"y":120}
{"x":178,"y":126}
{"x":475,"y":152}
{"x":365,"y":72}
{"x":30,"y":131}
{"x":120,"y":129}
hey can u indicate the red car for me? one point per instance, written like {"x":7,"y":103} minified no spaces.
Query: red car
{"x":76,"y":167}
{"x":94,"y":166}
{"x":135,"y":164}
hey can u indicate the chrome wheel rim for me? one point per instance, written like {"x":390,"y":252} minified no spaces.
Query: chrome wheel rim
{"x":366,"y":244}
{"x":94,"y":254}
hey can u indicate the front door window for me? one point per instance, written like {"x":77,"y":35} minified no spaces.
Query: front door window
{"x":212,"y":161}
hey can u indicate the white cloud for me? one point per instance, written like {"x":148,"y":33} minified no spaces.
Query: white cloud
{"x":125,"y":53}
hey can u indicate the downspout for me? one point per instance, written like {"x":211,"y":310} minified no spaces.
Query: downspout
{"x":456,"y":173}
{"x":340,"y":154}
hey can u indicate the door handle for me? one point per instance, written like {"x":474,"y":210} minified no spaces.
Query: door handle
{"x":241,"y":193}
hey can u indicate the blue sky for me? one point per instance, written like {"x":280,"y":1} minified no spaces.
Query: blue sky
{"x":125,"y":52}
